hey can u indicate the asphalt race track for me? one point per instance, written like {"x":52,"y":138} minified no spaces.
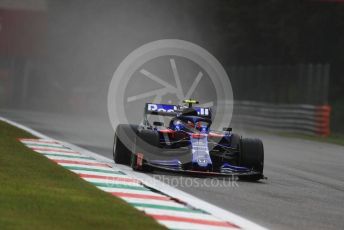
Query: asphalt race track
{"x":304,"y":190}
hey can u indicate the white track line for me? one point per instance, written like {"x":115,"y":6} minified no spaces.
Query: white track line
{"x":153,"y":183}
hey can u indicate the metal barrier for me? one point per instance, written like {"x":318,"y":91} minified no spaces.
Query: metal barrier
{"x":299,"y":118}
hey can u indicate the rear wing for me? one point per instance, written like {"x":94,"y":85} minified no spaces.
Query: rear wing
{"x":172,"y":110}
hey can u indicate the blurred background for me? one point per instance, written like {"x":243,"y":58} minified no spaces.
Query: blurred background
{"x":284,"y":58}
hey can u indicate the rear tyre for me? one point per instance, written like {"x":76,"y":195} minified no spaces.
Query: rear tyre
{"x":252,"y":156}
{"x":235,"y":140}
{"x":122,"y":149}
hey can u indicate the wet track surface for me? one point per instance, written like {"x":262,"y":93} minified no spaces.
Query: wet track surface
{"x":304,"y":190}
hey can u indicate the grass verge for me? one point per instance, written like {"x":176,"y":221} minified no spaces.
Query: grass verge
{"x":36,"y":193}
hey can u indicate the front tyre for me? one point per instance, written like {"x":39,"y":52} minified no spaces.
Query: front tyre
{"x":252,"y":156}
{"x":122,"y":149}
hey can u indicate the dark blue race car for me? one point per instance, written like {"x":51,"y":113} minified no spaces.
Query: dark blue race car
{"x":187,"y":144}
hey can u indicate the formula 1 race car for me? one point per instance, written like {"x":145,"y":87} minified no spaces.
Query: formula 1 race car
{"x":187,"y":144}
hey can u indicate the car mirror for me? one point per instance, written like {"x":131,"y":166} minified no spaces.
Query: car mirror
{"x":158,"y":123}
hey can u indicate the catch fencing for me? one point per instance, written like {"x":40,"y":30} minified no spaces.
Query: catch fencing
{"x":282,"y":98}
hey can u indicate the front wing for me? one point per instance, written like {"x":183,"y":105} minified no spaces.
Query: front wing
{"x":240,"y":175}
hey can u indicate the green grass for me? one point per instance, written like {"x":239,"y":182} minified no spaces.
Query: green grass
{"x":36,"y":193}
{"x":333,"y":138}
